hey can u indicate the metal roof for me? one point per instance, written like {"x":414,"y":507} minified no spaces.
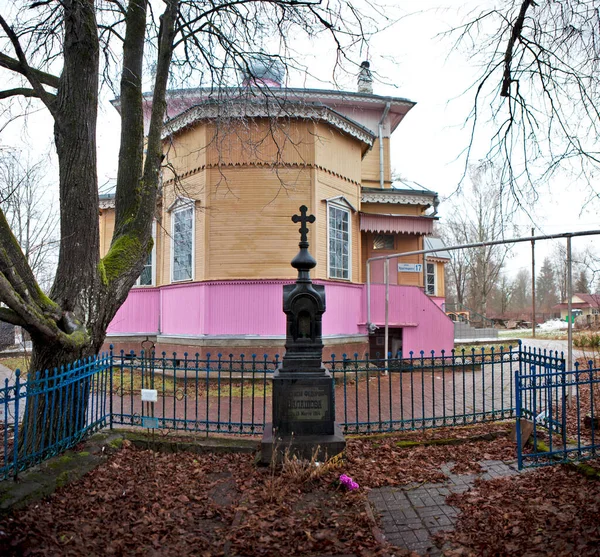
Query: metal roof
{"x":432,"y":242}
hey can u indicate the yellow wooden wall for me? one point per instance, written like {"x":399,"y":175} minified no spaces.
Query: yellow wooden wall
{"x":107,"y":227}
{"x":260,"y":142}
{"x":337,"y":152}
{"x":403,"y":243}
{"x":440,"y":278}
{"x":370,"y":165}
{"x":249,"y":232}
{"x":253,"y":178}
{"x":186,"y":152}
{"x":249,"y":181}
{"x":191,"y":187}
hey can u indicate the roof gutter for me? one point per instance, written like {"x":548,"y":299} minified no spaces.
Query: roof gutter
{"x":383,"y":117}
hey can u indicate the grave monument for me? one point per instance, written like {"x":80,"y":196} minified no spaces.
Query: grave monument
{"x":303,"y":390}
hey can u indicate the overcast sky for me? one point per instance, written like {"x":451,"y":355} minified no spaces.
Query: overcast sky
{"x":414,"y":62}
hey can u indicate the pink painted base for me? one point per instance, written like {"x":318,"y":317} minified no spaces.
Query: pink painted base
{"x":238,"y":308}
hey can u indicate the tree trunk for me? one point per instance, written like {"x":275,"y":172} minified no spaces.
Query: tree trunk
{"x":57,"y":401}
{"x":71,"y":324}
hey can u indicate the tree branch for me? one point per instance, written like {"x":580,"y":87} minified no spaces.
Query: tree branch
{"x":508,"y":54}
{"x":9,"y":316}
{"x":27,"y":71}
{"x":19,"y":91}
{"x":15,"y":66}
{"x":16,"y":270}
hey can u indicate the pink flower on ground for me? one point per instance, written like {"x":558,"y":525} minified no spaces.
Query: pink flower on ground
{"x":348,"y":482}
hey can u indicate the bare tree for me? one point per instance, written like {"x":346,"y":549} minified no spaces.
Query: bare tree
{"x":539,"y":86}
{"x":454,"y":232}
{"x":57,"y":52}
{"x":521,"y":298}
{"x":25,"y":199}
{"x":582,"y":261}
{"x":477,"y":214}
{"x":502,"y":294}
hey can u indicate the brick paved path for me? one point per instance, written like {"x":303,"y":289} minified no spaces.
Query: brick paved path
{"x":411,"y":514}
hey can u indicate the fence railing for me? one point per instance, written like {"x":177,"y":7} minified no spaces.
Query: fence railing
{"x":219,"y":395}
{"x":562,"y":410}
{"x":50,"y":412}
{"x":421,"y":392}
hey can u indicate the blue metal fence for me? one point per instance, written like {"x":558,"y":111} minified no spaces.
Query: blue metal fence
{"x":561,"y":409}
{"x":227,"y":395}
{"x":51,"y":411}
{"x":218,"y":395}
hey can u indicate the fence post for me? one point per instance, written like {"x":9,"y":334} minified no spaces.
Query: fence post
{"x":110,"y":394}
{"x":16,"y":442}
{"x":518,"y":414}
{"x":564,"y":408}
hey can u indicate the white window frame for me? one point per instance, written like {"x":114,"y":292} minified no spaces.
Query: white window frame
{"x":427,"y":273}
{"x":180,"y":205}
{"x":153,"y":271}
{"x":345,"y":209}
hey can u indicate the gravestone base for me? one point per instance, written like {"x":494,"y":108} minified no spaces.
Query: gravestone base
{"x":304,"y":447}
{"x":303,"y":403}
{"x":303,"y":417}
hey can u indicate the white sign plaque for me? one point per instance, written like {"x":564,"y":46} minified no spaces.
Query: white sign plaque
{"x":149,"y":395}
{"x":410,"y":268}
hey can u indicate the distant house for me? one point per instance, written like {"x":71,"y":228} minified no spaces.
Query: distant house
{"x":7,"y":335}
{"x":582,"y":304}
{"x":239,"y":166}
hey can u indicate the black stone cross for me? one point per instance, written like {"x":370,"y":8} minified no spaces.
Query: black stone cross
{"x":303,"y":219}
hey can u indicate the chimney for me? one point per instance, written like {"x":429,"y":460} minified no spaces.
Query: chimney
{"x":365,"y":79}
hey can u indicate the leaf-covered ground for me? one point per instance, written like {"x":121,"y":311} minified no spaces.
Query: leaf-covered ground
{"x":392,"y":461}
{"x":548,"y":512}
{"x":144,"y":503}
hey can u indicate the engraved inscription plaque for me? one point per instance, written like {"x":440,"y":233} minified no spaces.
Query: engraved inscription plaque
{"x":306,"y":403}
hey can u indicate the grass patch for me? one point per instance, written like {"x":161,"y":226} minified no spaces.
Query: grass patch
{"x":527,"y":333}
{"x":487,"y":348}
{"x":16,"y":362}
{"x":128,"y":382}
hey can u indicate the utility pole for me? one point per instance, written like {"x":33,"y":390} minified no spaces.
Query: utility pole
{"x":533,"y":283}
{"x":569,"y":316}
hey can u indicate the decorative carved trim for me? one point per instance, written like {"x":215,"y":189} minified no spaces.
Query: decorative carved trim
{"x":398,"y":198}
{"x":340,"y":199}
{"x":181,"y":202}
{"x":238,"y":109}
{"x":203,"y":167}
{"x":107,"y":203}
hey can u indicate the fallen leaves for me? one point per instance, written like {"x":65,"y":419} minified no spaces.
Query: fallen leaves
{"x":392,"y":461}
{"x":144,"y":503}
{"x":549,"y":511}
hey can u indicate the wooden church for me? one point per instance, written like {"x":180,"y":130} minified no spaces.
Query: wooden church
{"x":238,"y":164}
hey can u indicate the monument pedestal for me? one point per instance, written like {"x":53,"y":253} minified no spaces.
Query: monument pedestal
{"x":303,"y":418}
{"x":274,"y":447}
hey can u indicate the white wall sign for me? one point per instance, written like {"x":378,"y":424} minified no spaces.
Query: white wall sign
{"x":410,"y":268}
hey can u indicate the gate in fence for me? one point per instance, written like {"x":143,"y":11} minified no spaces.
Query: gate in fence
{"x":557,"y":410}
